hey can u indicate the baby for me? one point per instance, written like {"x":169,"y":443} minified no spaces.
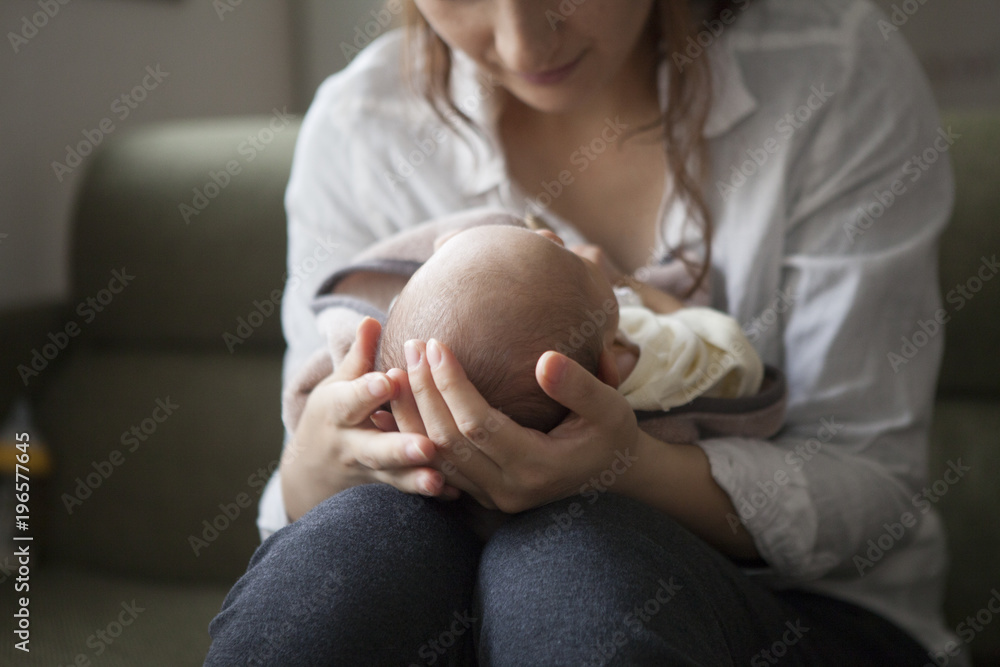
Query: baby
{"x":500,"y":296}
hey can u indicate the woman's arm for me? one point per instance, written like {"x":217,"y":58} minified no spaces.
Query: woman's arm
{"x":677,"y":479}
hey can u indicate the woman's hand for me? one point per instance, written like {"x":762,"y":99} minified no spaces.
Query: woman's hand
{"x":513,"y":468}
{"x":336,"y":446}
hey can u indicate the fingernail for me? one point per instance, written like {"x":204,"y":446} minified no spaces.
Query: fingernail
{"x":428,"y":485}
{"x":412,"y":354}
{"x":555,"y":369}
{"x":378,"y":386}
{"x":414,"y":453}
{"x":433,"y":353}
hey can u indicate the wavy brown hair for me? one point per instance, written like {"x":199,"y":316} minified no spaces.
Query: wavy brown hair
{"x":681,"y":125}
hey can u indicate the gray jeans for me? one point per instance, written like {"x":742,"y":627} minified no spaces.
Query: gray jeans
{"x":373,"y":576}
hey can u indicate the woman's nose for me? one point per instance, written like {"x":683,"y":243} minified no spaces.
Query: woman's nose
{"x":523,"y":37}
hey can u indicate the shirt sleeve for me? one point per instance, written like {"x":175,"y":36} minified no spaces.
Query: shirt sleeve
{"x":327,"y":226}
{"x":869,"y":190}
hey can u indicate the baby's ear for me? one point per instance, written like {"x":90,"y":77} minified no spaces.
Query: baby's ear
{"x":607,"y":368}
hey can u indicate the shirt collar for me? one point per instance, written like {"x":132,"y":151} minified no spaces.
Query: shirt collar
{"x":481,"y":99}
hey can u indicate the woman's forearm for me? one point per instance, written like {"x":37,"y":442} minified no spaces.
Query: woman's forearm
{"x":677,"y":480}
{"x":378,"y":289}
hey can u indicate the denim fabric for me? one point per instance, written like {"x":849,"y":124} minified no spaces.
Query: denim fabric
{"x":374,"y":576}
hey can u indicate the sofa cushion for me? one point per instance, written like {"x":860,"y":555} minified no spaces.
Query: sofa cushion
{"x":196,"y":272}
{"x":149,"y":445}
{"x":965,"y":435}
{"x":113,"y":621}
{"x":970,"y":248}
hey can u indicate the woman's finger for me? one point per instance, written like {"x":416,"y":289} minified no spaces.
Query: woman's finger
{"x":387,"y":451}
{"x":422,"y":481}
{"x":434,"y":412}
{"x":437,"y":418}
{"x":404,"y":406}
{"x":474,"y":418}
{"x":360,"y":358}
{"x":406,"y":415}
{"x":569,"y":384}
{"x":384,"y":421}
{"x":351,"y":403}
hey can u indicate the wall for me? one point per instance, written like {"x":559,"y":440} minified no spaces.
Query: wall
{"x":65,"y":79}
{"x":330,"y":33}
{"x":958,"y":42}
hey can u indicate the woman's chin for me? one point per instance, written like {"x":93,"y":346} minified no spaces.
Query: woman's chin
{"x":560,"y":99}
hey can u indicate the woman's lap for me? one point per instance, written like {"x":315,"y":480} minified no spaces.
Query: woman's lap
{"x":617,"y":582}
{"x":374,"y":576}
{"x":371,"y":576}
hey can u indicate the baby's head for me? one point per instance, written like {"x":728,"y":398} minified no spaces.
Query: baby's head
{"x":500,"y":296}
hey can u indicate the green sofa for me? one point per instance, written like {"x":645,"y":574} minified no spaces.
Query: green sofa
{"x":162,"y":414}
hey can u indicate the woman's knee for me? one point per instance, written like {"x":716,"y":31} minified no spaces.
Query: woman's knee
{"x":365,"y":565}
{"x":610,"y":576}
{"x":603,"y":522}
{"x":369,"y":515}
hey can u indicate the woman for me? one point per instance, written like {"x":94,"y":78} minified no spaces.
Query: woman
{"x":766,"y":145}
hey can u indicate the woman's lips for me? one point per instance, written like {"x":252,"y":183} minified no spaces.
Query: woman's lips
{"x":553,"y":76}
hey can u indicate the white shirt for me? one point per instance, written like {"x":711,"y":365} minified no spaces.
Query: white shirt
{"x":818,"y":116}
